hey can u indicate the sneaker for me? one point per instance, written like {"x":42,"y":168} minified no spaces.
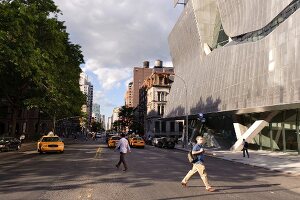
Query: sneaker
{"x":117,"y":166}
{"x":210,"y":189}
{"x":184,"y":184}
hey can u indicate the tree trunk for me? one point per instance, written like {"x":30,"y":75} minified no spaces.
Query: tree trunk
{"x":13,"y":121}
{"x":54,"y":121}
{"x":37,"y":131}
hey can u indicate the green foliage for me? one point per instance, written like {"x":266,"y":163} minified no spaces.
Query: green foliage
{"x":126,"y":115}
{"x":39,"y":66}
{"x":96,"y":127}
{"x":118,"y":125}
{"x":126,"y":119}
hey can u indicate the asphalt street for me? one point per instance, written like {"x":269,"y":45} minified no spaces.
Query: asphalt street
{"x":87,"y":171}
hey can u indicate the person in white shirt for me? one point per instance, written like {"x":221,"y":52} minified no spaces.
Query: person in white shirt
{"x":123,"y":147}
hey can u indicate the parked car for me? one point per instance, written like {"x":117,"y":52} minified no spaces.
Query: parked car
{"x":155,"y":141}
{"x":137,"y":142}
{"x":9,"y":143}
{"x":50,"y":143}
{"x":113,"y":141}
{"x":98,"y":135}
{"x":164,"y":142}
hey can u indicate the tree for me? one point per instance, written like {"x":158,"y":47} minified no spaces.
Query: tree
{"x":126,"y":117}
{"x":137,"y":127}
{"x":39,"y":66}
{"x":118,"y":125}
{"x":97,"y":127}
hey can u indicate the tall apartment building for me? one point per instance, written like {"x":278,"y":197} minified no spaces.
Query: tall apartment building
{"x":102,"y":121}
{"x":115,"y":115}
{"x":129,"y":95}
{"x":96,"y":112}
{"x":241,"y":65}
{"x":153,"y":99}
{"x":139,"y":75}
{"x":109,"y":123}
{"x":87,"y":88}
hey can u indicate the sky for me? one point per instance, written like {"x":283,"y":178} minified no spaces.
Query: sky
{"x":115,"y":36}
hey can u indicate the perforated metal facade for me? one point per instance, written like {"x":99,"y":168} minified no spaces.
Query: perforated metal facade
{"x":244,"y":76}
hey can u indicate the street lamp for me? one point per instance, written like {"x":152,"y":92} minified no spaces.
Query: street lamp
{"x":185,"y":133}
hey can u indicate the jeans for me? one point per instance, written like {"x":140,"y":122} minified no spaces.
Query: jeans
{"x":245,"y":150}
{"x":122,"y":160}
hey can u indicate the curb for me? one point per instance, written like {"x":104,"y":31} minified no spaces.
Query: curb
{"x":248,"y":164}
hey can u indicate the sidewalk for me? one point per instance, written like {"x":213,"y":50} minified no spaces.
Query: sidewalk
{"x":287,"y":163}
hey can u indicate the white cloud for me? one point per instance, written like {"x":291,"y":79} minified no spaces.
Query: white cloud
{"x":98,"y":96}
{"x":117,"y":35}
{"x":109,"y":77}
{"x":120,"y":33}
{"x":101,"y":98}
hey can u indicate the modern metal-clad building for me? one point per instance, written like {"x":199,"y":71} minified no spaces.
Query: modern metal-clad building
{"x":239,"y":60}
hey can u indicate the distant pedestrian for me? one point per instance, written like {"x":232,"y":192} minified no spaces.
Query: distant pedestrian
{"x":149,"y":140}
{"x":123,"y":147}
{"x":245,"y":148}
{"x":198,"y":165}
{"x":22,"y":137}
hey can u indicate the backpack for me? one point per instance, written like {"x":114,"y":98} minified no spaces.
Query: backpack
{"x":191,"y":157}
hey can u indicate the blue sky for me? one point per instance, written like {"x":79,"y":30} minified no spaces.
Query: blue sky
{"x":115,"y":36}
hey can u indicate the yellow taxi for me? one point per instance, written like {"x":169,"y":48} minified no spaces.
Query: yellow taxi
{"x":50,"y":143}
{"x":113,"y":141}
{"x":137,"y":142}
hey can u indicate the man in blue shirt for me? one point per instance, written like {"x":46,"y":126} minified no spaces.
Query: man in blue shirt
{"x":198,"y":165}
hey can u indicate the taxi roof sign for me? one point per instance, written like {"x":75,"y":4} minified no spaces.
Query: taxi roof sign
{"x":50,"y":134}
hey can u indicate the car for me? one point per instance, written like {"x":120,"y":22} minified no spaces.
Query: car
{"x":155,"y":141}
{"x":108,"y":136}
{"x":165,"y":142}
{"x":9,"y":143}
{"x":50,"y":143}
{"x":98,"y":135}
{"x":137,"y":142}
{"x":113,"y":141}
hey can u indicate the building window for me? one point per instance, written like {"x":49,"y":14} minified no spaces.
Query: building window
{"x":163,"y":127}
{"x":161,"y":96}
{"x":172,"y":126}
{"x":157,"y":127}
{"x":161,"y":80}
{"x":180,"y":125}
{"x":159,"y":109}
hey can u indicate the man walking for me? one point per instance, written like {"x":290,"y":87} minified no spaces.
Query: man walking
{"x":245,"y":148}
{"x":123,"y":147}
{"x":198,"y":165}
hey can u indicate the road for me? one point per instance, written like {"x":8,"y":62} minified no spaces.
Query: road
{"x":87,"y":171}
